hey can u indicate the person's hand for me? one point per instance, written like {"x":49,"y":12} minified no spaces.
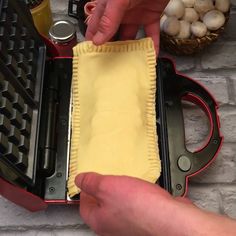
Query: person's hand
{"x":130,"y":14}
{"x":113,"y":205}
{"x":125,"y":206}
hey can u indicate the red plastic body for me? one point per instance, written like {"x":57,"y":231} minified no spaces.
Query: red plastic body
{"x":21,"y":197}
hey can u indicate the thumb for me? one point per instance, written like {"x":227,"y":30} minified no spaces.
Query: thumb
{"x":110,"y":20}
{"x":89,"y":183}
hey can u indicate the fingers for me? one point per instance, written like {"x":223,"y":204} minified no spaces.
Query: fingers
{"x":95,"y":20}
{"x":128,"y":32}
{"x":89,"y":183}
{"x":153,"y":30}
{"x":88,"y":209}
{"x":106,"y":20}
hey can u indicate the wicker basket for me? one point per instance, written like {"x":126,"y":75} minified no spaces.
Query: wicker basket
{"x":190,"y":46}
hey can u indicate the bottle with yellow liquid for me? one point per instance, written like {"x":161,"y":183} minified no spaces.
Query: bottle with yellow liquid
{"x":42,"y":15}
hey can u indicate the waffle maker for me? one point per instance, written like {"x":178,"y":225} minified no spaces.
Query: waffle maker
{"x":35,"y":91}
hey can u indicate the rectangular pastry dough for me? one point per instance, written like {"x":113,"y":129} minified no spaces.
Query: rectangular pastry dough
{"x":114,"y":117}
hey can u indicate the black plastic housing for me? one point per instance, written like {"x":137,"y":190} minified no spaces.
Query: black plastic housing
{"x":178,"y":164}
{"x":76,"y":10}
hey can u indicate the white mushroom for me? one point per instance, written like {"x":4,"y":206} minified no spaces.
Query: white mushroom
{"x":222,"y":5}
{"x":188,"y":3}
{"x":198,"y":29}
{"x":184,"y":32}
{"x":214,"y":19}
{"x":190,"y":15}
{"x":203,"y":6}
{"x":171,"y":26}
{"x":163,"y":18}
{"x":175,"y":8}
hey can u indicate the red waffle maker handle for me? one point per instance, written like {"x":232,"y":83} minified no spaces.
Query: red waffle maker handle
{"x":193,"y":98}
{"x":200,"y":96}
{"x":181,"y":162}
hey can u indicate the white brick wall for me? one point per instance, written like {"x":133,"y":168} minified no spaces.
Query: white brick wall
{"x":214,"y":189}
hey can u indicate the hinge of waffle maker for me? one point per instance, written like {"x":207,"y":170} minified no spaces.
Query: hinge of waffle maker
{"x":54,"y":129}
